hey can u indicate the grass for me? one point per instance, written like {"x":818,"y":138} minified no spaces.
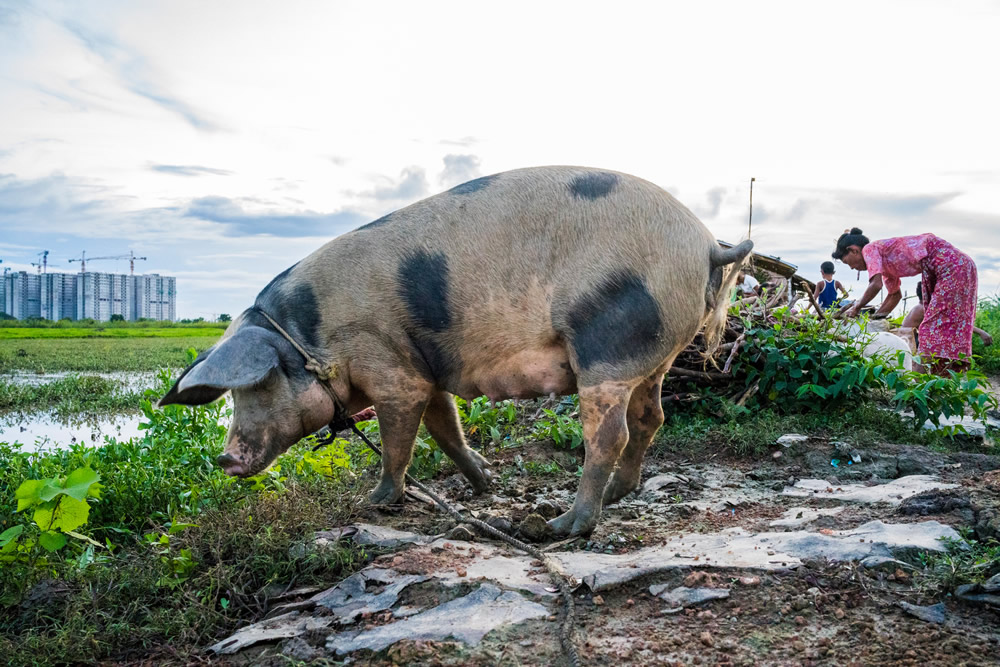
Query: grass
{"x":184,"y":553}
{"x":69,"y":396}
{"x":21,"y":333}
{"x":754,"y":432}
{"x":965,"y":561}
{"x":98,"y":354}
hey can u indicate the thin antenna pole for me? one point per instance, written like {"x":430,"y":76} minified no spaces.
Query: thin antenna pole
{"x":750,"y":221}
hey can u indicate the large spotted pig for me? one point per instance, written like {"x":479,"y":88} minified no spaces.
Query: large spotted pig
{"x":516,"y":285}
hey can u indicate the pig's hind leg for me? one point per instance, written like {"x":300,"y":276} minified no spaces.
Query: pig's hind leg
{"x":644,"y":418}
{"x":441,"y":420}
{"x":603,"y":410}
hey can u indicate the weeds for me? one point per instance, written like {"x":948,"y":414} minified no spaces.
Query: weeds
{"x":965,"y":561}
{"x":70,"y":396}
{"x":98,"y":354}
{"x":988,"y":319}
{"x":173,"y":552}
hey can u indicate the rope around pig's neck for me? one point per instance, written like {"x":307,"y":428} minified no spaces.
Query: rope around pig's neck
{"x":325,"y":373}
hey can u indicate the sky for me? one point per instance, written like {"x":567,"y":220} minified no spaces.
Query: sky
{"x":226,"y":140}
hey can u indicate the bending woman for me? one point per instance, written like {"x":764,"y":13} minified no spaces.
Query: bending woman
{"x":950,"y":287}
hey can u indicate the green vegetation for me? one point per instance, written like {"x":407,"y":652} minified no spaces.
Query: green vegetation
{"x":21,"y":333}
{"x":88,"y":323}
{"x":98,"y":354}
{"x":146,"y":549}
{"x":753,"y":432}
{"x":988,"y":319}
{"x":966,"y":561}
{"x":69,"y":396}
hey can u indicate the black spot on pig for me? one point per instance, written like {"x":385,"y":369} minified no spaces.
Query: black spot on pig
{"x":618,"y":321}
{"x":593,"y":185}
{"x":473,"y":186}
{"x":297,"y":311}
{"x":375,"y":223}
{"x":423,"y":286}
{"x":424,"y":289}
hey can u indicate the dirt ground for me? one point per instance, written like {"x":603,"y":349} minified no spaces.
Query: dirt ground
{"x":819,"y":613}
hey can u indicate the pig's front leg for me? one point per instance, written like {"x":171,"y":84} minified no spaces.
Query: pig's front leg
{"x":398,"y":421}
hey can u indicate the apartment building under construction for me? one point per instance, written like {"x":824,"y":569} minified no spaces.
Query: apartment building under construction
{"x":94,"y":295}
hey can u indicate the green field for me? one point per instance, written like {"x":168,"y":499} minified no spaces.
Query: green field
{"x":43,"y":355}
{"x":20,"y":333}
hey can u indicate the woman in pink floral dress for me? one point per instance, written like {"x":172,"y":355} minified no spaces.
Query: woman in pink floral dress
{"x":950,"y":286}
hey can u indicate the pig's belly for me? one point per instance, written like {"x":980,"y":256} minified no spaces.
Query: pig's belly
{"x":524,"y":374}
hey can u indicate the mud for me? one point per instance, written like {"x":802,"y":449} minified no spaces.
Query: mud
{"x":817,"y":578}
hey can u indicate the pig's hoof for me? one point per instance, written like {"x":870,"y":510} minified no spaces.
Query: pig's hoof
{"x":569,"y":523}
{"x":477,"y":470}
{"x":618,"y":488}
{"x":386,"y":493}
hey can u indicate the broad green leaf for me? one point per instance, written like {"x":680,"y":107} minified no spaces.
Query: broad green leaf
{"x":79,"y":481}
{"x":27,"y":493}
{"x":50,"y":490}
{"x":10,"y":534}
{"x":50,"y":540}
{"x":64,"y":514}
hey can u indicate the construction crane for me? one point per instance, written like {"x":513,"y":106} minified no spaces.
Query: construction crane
{"x":130,"y":257}
{"x":43,"y":265}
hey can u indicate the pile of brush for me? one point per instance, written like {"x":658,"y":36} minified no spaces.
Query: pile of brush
{"x":694,"y":370}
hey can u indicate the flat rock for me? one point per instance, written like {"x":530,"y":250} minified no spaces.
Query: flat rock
{"x":350,"y":598}
{"x":682,"y":596}
{"x":974,"y":428}
{"x":790,"y":439}
{"x":466,"y":619}
{"x":378,"y":536}
{"x":975,"y":593}
{"x":932,"y":614}
{"x":656,"y":485}
{"x":735,"y":548}
{"x":798,"y":516}
{"x":285,"y":626}
{"x":893,"y":492}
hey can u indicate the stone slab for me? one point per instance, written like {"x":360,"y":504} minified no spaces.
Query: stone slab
{"x":466,"y":619}
{"x":893,"y":492}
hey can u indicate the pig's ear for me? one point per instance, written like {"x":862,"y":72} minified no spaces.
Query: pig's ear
{"x":243,"y":359}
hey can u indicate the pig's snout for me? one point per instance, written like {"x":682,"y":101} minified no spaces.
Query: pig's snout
{"x":231,"y":465}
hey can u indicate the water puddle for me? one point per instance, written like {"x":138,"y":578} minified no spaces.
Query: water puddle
{"x":129,"y":380}
{"x":45,"y":431}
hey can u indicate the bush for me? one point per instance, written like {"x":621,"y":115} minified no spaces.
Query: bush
{"x":988,"y":319}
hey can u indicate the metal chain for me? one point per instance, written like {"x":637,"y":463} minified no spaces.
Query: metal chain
{"x":340,"y":420}
{"x":554,"y":569}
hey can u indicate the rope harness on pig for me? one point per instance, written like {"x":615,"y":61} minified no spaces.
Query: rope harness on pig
{"x":342,"y":421}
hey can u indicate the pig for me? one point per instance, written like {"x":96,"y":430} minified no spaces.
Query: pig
{"x":526,"y":283}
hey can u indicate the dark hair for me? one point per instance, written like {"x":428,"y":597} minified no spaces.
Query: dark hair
{"x":827,"y":267}
{"x":853,"y":237}
{"x":920,"y":292}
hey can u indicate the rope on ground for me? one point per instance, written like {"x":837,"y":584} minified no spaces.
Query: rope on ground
{"x":554,"y":569}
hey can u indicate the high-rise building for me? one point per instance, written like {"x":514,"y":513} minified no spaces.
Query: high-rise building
{"x":155,"y":297}
{"x":101,"y":295}
{"x":25,"y":296}
{"x":55,"y":296}
{"x":58,"y":296}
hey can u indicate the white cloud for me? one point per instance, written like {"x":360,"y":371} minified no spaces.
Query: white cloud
{"x":206,"y":125}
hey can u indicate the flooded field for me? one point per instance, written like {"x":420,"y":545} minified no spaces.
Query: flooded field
{"x":88,"y":417}
{"x":46,"y":431}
